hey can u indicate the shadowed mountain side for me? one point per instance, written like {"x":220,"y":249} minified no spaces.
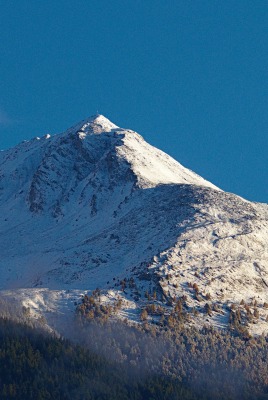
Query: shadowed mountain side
{"x":145,"y":224}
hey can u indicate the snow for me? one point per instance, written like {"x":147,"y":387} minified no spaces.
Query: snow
{"x":153,"y":167}
{"x":96,"y":124}
{"x":97,"y":204}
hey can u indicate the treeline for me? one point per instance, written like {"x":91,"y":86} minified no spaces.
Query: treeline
{"x":113,"y":360}
{"x":140,"y":364}
{"x":214,"y":364}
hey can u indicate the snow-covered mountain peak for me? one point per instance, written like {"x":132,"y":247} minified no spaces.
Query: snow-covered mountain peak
{"x":95,"y":124}
{"x":93,"y":156}
{"x":97,"y":205}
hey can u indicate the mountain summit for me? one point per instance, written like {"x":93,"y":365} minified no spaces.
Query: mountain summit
{"x":95,"y":124}
{"x":97,"y":205}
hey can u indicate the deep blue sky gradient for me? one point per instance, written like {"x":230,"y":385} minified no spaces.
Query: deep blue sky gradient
{"x":190,"y":76}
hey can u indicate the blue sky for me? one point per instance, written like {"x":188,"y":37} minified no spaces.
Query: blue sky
{"x":190,"y":76}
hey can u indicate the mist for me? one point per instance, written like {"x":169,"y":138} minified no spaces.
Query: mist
{"x":210,"y":364}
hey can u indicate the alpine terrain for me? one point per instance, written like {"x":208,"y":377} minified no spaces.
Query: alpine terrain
{"x":99,"y":207}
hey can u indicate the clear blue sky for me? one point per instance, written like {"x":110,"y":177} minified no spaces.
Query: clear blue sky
{"x":190,"y":76}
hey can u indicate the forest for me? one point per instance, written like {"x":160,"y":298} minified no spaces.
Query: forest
{"x":104,"y":359}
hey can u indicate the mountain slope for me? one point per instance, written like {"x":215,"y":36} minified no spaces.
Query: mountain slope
{"x":97,"y":204}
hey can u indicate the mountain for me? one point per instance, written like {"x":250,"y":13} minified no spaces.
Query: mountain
{"x":99,"y":207}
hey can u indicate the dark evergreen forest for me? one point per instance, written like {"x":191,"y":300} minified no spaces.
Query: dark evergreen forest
{"x":121,"y":362}
{"x":107,"y":359}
